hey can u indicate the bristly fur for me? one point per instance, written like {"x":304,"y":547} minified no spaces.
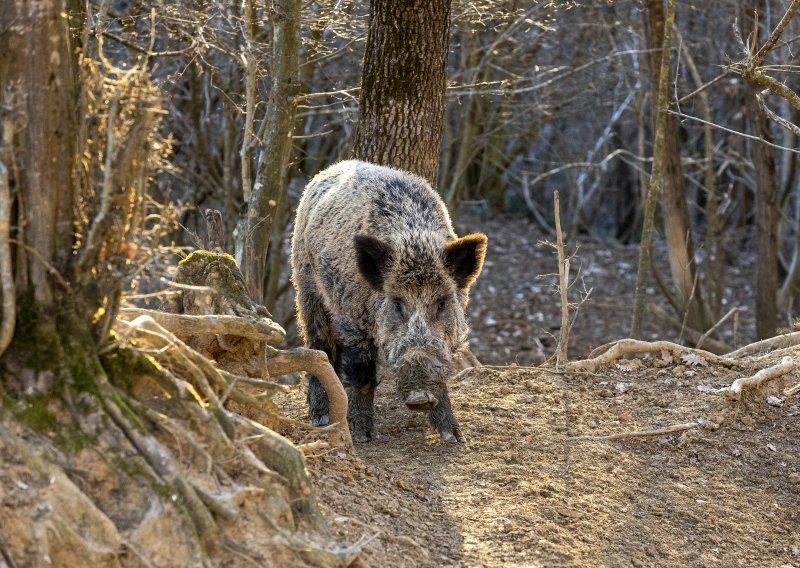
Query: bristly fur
{"x":380,"y":278}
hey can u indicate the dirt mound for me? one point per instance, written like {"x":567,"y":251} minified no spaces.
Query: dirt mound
{"x":522,"y":493}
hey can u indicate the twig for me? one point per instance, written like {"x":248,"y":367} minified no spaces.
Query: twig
{"x":761,"y":54}
{"x":563,"y":271}
{"x":640,"y":433}
{"x":715,"y":326}
{"x":785,"y":366}
{"x":691,"y":334}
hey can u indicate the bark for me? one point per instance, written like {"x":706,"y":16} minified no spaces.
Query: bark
{"x":269,"y":189}
{"x":38,"y":57}
{"x":403,"y":84}
{"x":766,"y":221}
{"x":659,"y":156}
{"x":673,"y":197}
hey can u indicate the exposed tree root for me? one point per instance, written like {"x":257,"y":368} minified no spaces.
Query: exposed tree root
{"x":778,"y":342}
{"x":316,"y":362}
{"x":785,"y":366}
{"x":183,"y":325}
{"x":626,"y":346}
{"x":792,"y":390}
{"x":165,"y":466}
{"x":640,"y":433}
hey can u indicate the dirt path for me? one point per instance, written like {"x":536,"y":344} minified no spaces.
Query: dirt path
{"x":521,"y":494}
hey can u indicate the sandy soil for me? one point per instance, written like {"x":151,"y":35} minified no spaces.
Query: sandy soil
{"x":522,"y":492}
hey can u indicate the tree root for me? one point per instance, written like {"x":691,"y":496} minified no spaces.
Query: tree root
{"x":205,"y":375}
{"x":735,"y":390}
{"x":626,"y":346}
{"x":272,"y":448}
{"x":183,"y":326}
{"x":777,"y":342}
{"x":165,"y":466}
{"x":316,"y":362}
{"x":640,"y":433}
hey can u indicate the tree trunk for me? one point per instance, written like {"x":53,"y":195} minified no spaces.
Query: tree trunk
{"x":767,"y":221}
{"x":673,"y":197}
{"x":37,"y":58}
{"x":659,"y":157}
{"x":403,"y":84}
{"x":269,"y":189}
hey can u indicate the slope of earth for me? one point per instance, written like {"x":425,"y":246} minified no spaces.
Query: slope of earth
{"x":522,"y":493}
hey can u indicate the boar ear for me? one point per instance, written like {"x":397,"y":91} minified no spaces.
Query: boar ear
{"x":373,"y":257}
{"x":463,"y":258}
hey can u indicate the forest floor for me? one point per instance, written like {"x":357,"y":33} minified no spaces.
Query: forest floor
{"x":521,"y":492}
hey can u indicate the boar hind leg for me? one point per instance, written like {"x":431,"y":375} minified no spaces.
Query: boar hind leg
{"x":318,"y":333}
{"x":357,"y":370}
{"x":442,"y":420}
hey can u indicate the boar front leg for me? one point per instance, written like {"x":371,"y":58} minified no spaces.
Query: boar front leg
{"x":442,"y":420}
{"x":357,"y":370}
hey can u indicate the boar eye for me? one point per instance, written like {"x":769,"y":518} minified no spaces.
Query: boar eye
{"x":398,"y":306}
{"x":440,"y":306}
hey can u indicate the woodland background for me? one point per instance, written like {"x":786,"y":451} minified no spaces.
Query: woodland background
{"x":136,"y":437}
{"x":541,"y":96}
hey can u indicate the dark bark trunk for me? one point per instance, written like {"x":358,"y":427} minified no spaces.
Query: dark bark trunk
{"x":766,"y":221}
{"x":403,"y":84}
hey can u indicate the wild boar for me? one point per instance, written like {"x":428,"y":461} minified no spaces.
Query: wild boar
{"x":381,"y":278}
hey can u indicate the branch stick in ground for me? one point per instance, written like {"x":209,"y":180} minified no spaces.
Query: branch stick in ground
{"x":625,"y":346}
{"x":713,"y":328}
{"x":691,"y":334}
{"x":779,"y":341}
{"x":640,"y":433}
{"x":563,"y":269}
{"x":785,"y":366}
{"x":6,"y":275}
{"x":792,"y":390}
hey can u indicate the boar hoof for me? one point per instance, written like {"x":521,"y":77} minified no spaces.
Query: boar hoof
{"x":421,"y":401}
{"x":454,"y":435}
{"x":320,"y":421}
{"x":361,"y":436}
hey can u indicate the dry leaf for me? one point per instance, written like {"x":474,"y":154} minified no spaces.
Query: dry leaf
{"x":666,"y":356}
{"x":694,"y":359}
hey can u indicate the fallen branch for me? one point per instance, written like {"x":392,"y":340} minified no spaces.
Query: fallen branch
{"x":640,"y":433}
{"x":183,"y":325}
{"x":792,"y":390}
{"x":764,"y":375}
{"x":777,"y":342}
{"x":626,"y":346}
